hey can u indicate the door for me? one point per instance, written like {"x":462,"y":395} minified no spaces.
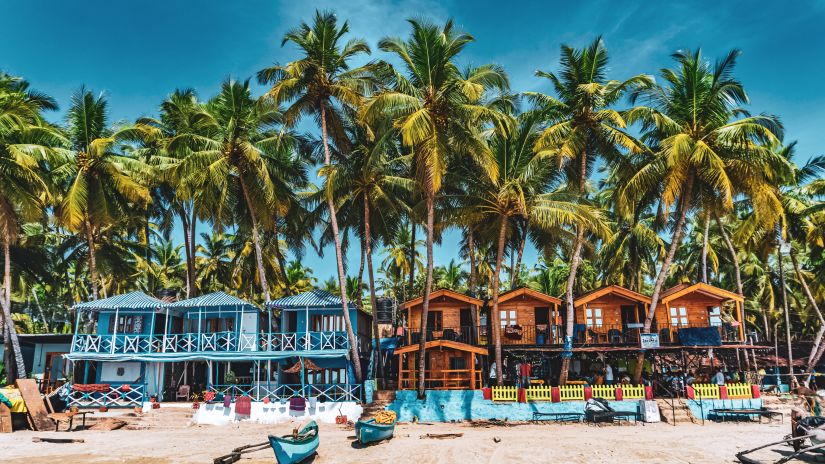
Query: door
{"x":542,"y":329}
{"x":52,"y":370}
{"x":249,"y":327}
{"x":628,"y":315}
{"x":467,"y":329}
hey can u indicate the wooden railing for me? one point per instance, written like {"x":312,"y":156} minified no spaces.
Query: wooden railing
{"x":633,"y":392}
{"x":447,"y":379}
{"x":539,"y":393}
{"x":739,"y":390}
{"x":706,"y":391}
{"x":505,"y":393}
{"x":607,"y":392}
{"x":571,"y":392}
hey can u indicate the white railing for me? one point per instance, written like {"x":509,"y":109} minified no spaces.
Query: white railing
{"x":321,"y":392}
{"x":94,"y":396}
{"x":209,"y":342}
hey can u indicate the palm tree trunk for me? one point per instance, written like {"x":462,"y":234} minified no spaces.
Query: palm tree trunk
{"x":256,"y":240}
{"x":193,"y":225}
{"x":92,"y":260}
{"x":279,"y":256}
{"x":371,"y":277}
{"x":411,"y":284}
{"x":12,"y":342}
{"x":190,"y":282}
{"x":575,"y":260}
{"x":361,"y":268}
{"x":516,"y":281}
{"x":496,"y":317}
{"x":471,"y":250}
{"x":813,"y":359}
{"x":737,"y":273}
{"x":705,"y":249}
{"x":793,"y":381}
{"x":428,"y":285}
{"x":676,"y":239}
{"x":342,"y":278}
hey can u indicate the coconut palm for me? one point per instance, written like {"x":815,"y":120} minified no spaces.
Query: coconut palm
{"x":439,"y":112}
{"x":243,"y":164}
{"x":104,"y":185}
{"x":582,"y":127}
{"x":698,"y":146}
{"x":320,"y":84}
{"x":24,"y":141}
{"x":522,"y":190}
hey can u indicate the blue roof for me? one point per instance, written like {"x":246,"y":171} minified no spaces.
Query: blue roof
{"x":313,"y":299}
{"x":213,"y":300}
{"x":134,"y":301}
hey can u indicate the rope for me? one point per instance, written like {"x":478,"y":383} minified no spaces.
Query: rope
{"x":385,"y":417}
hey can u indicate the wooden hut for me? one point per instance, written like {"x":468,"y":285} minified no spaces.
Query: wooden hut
{"x":450,"y":365}
{"x":452,"y":316}
{"x":699,"y":305}
{"x":529,"y":317}
{"x":610,"y":315}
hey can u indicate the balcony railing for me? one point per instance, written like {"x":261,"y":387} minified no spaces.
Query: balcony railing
{"x":444,"y":379}
{"x":109,"y":395}
{"x":669,"y":333}
{"x":282,"y":393}
{"x":467,"y":334}
{"x":209,"y":342}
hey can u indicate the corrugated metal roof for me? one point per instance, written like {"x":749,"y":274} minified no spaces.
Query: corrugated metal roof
{"x":213,"y":300}
{"x":127,"y":301}
{"x":310,"y":299}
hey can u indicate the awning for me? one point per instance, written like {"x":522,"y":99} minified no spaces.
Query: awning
{"x":217,"y":301}
{"x":127,"y":302}
{"x":313,"y":299}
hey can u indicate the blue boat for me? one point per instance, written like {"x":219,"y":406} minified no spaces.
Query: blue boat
{"x":369,"y":431}
{"x":294,"y":448}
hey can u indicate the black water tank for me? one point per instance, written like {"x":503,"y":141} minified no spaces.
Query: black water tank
{"x":384,"y":310}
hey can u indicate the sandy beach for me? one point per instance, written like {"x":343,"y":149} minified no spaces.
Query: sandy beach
{"x":481,"y":442}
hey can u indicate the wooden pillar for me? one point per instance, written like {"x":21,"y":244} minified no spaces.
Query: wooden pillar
{"x":400,"y":369}
{"x":741,"y":315}
{"x":472,"y":371}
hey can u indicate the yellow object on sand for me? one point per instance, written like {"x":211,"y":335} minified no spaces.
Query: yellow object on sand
{"x":385,"y":417}
{"x":13,"y":395}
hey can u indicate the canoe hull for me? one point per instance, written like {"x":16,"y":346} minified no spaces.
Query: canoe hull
{"x":369,"y":431}
{"x":289,"y":450}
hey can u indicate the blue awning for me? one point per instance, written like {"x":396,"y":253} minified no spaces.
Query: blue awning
{"x":134,"y":301}
{"x":313,"y":299}
{"x":216,"y":300}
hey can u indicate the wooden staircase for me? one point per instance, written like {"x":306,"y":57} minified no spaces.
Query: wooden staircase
{"x":380,"y":401}
{"x":678,"y":414}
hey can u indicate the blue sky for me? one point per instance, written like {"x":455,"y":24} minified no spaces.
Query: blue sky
{"x":138,"y":52}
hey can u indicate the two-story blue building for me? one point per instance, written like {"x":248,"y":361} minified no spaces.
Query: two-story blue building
{"x":131,"y":347}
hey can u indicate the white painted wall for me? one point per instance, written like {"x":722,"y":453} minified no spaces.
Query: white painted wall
{"x":273,"y":413}
{"x":109,"y":372}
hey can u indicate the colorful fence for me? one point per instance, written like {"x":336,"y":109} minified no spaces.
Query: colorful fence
{"x":633,"y":392}
{"x":739,"y":390}
{"x":607,"y":392}
{"x":571,"y":393}
{"x":99,"y":395}
{"x":706,"y":391}
{"x":539,"y":393}
{"x":505,"y":393}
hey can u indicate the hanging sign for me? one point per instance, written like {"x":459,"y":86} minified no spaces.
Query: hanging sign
{"x":648,"y":340}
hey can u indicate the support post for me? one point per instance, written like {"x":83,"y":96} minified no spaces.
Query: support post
{"x":151,"y":331}
{"x":114,"y":331}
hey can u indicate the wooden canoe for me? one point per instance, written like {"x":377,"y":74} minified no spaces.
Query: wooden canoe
{"x":369,"y":431}
{"x":292,"y":449}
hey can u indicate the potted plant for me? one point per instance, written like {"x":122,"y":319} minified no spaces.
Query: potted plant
{"x":195,"y":401}
{"x":104,"y":408}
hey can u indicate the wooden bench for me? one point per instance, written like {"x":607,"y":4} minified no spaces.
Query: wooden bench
{"x":558,"y":416}
{"x":738,"y":413}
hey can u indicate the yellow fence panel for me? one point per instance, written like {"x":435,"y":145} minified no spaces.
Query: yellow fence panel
{"x":505,"y":394}
{"x":706,"y":391}
{"x":739,"y":390}
{"x":607,"y":392}
{"x":539,"y":393}
{"x":571,"y":393}
{"x":633,"y":392}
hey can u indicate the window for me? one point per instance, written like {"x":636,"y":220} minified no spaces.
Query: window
{"x":507,"y":318}
{"x":714,"y":316}
{"x":435,"y":320}
{"x":458,"y":363}
{"x":126,"y":324}
{"x":678,"y":316}
{"x":593,"y":317}
{"x":327,"y":323}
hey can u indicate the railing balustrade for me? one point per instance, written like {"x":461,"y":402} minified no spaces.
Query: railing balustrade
{"x":282,"y":393}
{"x":108,"y":395}
{"x":208,"y":342}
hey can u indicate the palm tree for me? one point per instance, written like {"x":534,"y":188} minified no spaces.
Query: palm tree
{"x":24,"y":139}
{"x":104,"y":186}
{"x":582,"y":126}
{"x":522,"y":191}
{"x":439,"y":112}
{"x":697,"y":146}
{"x":245,"y":163}
{"x":319,"y":84}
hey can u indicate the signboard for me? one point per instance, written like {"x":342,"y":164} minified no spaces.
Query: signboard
{"x":648,"y":340}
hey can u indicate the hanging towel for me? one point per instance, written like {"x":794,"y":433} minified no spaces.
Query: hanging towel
{"x":227,"y":401}
{"x":243,"y":406}
{"x":297,"y":404}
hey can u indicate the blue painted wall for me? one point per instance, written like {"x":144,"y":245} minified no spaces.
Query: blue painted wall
{"x":457,"y":405}
{"x":105,"y":317}
{"x":301,"y":317}
{"x":701,"y":408}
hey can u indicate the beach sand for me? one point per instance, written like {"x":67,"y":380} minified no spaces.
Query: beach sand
{"x":530,"y":443}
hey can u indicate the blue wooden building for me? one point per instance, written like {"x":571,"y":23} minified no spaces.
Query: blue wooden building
{"x":130,"y":347}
